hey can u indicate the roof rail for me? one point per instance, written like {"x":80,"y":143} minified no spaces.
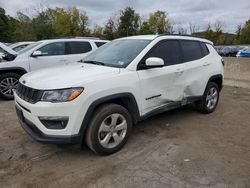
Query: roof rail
{"x":78,"y":37}
{"x":183,"y":35}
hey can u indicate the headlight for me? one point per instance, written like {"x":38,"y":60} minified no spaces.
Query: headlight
{"x":61,"y":95}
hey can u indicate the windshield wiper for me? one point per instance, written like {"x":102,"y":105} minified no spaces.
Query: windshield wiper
{"x":95,"y":62}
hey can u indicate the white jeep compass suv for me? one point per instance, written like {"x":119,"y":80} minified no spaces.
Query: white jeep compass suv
{"x":123,"y":82}
{"x":41,"y":54}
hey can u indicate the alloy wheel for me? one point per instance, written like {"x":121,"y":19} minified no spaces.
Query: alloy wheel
{"x":7,"y":85}
{"x":112,"y":130}
{"x":212,"y":98}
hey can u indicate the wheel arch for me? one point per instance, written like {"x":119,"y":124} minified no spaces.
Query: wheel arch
{"x":127,"y":100}
{"x":18,"y":70}
{"x":218,"y":79}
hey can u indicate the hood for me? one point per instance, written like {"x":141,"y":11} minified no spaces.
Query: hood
{"x":74,"y":75}
{"x":7,"y":49}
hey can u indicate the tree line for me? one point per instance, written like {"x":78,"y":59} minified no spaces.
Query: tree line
{"x":60,"y":22}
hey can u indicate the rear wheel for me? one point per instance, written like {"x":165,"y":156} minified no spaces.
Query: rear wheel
{"x":109,"y":129}
{"x":210,"y":99}
{"x":8,"y":82}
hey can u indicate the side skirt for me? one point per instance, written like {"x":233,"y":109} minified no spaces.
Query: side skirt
{"x":171,"y":106}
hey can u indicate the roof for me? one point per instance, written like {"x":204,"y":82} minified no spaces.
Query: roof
{"x":73,"y":39}
{"x":145,"y":37}
{"x":167,"y":36}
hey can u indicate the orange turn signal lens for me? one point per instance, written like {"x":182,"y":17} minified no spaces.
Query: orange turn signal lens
{"x":74,"y":95}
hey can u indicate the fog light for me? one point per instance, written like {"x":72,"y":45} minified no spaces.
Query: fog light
{"x":54,"y":122}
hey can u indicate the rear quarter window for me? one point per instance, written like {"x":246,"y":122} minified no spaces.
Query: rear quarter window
{"x":204,"y":49}
{"x":98,"y":44}
{"x":191,"y":50}
{"x":78,"y":47}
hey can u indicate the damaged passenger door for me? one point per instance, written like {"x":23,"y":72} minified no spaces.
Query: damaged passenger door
{"x":162,"y":86}
{"x":196,"y":64}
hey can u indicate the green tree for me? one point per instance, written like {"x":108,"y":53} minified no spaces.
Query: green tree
{"x":98,"y":31}
{"x":215,"y":35}
{"x":4,"y":26}
{"x":128,"y":22}
{"x":109,"y":31}
{"x":43,"y":25}
{"x":245,"y":33}
{"x":145,"y":29}
{"x":238,"y":33}
{"x":24,"y":29}
{"x":69,"y":22}
{"x":159,"y":22}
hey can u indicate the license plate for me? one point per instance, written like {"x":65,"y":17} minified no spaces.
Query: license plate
{"x":20,"y":114}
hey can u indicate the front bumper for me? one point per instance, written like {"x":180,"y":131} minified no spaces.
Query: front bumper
{"x":37,"y":135}
{"x":29,"y":114}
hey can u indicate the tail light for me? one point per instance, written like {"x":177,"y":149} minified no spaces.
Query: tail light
{"x":223,"y":62}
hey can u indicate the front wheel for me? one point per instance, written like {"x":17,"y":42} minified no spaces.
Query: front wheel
{"x":210,"y":99}
{"x":8,"y":82}
{"x":109,"y":129}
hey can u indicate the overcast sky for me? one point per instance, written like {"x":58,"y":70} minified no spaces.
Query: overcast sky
{"x":181,"y":12}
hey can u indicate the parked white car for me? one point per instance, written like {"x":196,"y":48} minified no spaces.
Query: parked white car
{"x":42,"y":54}
{"x":6,"y":52}
{"x":118,"y":85}
{"x":14,"y":47}
{"x":20,"y":45}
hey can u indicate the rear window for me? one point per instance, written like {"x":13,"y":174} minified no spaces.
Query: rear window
{"x":78,"y":47}
{"x":98,"y":44}
{"x":191,"y":50}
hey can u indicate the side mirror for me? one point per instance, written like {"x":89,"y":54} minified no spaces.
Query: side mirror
{"x":37,"y":53}
{"x":154,"y":62}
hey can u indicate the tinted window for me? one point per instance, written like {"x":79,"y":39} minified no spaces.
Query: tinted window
{"x":78,"y":47}
{"x":168,"y":50}
{"x":191,"y":50}
{"x":98,"y":44}
{"x":57,"y":48}
{"x":204,"y":49}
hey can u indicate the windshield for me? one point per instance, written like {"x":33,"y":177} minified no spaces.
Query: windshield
{"x":246,"y":49}
{"x":29,"y":47}
{"x":118,"y":53}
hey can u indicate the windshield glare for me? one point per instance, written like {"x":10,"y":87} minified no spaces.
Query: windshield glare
{"x":118,"y":53}
{"x":27,"y":48}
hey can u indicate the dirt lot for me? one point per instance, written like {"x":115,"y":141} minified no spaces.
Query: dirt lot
{"x":181,"y":148}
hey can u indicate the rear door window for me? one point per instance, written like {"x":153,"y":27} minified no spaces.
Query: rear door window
{"x":78,"y":47}
{"x":191,"y":50}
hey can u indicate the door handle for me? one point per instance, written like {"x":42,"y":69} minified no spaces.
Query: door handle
{"x":179,"y":71}
{"x":206,"y":64}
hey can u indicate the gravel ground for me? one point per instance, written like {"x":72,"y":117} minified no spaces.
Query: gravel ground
{"x":180,"y":148}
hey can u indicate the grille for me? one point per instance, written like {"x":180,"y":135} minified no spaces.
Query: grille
{"x":28,"y":94}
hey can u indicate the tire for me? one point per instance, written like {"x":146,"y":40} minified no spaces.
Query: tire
{"x":8,"y":81}
{"x":211,"y":94}
{"x":101,"y":128}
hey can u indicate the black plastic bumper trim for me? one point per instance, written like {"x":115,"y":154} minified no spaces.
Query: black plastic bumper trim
{"x":37,"y":135}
